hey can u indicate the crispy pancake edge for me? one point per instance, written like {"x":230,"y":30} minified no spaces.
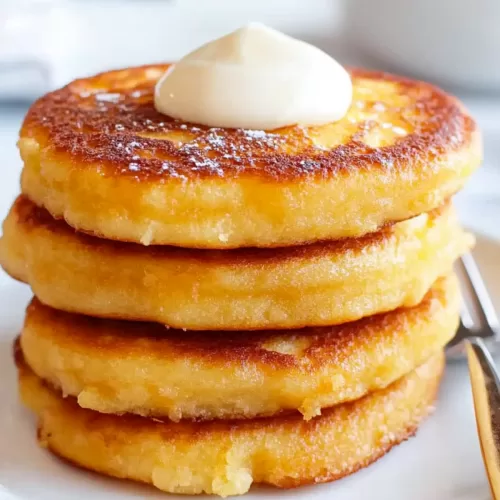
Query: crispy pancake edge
{"x":430,"y":371}
{"x":324,"y":344}
{"x":117,"y":367}
{"x":32,"y":217}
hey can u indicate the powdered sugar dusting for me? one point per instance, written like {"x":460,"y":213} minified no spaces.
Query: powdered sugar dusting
{"x":254,"y":134}
{"x":102,"y":121}
{"x":189,"y":146}
{"x":206,"y":164}
{"x":262,"y":137}
{"x":214,"y":139}
{"x":309,"y":164}
{"x":257,"y":134}
{"x":107,"y":97}
{"x":172,"y":171}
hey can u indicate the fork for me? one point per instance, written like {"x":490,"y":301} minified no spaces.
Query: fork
{"x":484,"y":376}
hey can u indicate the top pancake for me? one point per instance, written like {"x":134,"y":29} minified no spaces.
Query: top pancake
{"x":97,"y":153}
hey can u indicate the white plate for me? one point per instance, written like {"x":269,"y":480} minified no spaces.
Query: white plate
{"x":442,"y":463}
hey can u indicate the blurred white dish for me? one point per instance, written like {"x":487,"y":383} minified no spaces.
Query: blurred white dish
{"x":454,"y":42}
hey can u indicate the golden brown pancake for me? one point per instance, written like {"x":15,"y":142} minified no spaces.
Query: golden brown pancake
{"x":319,"y":284}
{"x":99,"y":155}
{"x":226,"y":457}
{"x":117,"y":367}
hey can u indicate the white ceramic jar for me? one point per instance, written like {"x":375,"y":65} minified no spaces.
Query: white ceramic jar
{"x":454,"y":42}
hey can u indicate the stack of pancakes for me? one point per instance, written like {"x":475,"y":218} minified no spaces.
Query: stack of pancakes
{"x":217,"y":307}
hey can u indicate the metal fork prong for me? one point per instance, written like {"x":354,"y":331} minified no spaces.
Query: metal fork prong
{"x":467,"y":324}
{"x":479,"y":293}
{"x":466,"y":317}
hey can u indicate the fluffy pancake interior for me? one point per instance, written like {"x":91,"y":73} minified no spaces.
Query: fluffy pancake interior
{"x":226,"y":457}
{"x":322,"y":284}
{"x":117,"y":367}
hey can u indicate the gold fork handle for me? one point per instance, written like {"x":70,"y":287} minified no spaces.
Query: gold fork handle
{"x":485,"y":383}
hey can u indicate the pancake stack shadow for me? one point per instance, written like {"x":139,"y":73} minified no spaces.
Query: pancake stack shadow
{"x":216,"y":308}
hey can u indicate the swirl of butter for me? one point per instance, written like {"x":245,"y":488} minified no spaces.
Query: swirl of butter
{"x":255,"y":78}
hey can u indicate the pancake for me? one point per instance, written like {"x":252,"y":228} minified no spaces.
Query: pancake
{"x":117,"y":367}
{"x":320,"y":284}
{"x":99,"y":155}
{"x":226,"y":457}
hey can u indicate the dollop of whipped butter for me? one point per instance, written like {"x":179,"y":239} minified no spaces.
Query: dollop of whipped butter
{"x":255,"y":78}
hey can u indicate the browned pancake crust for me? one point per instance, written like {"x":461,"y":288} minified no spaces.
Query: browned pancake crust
{"x":321,"y":346}
{"x":143,"y":368}
{"x":226,"y":457}
{"x":244,"y":289}
{"x":117,"y":130}
{"x":99,"y":155}
{"x":32,"y":217}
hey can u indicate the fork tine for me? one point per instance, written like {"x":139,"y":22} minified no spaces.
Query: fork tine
{"x":484,"y":306}
{"x":465,"y":315}
{"x":466,"y":326}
